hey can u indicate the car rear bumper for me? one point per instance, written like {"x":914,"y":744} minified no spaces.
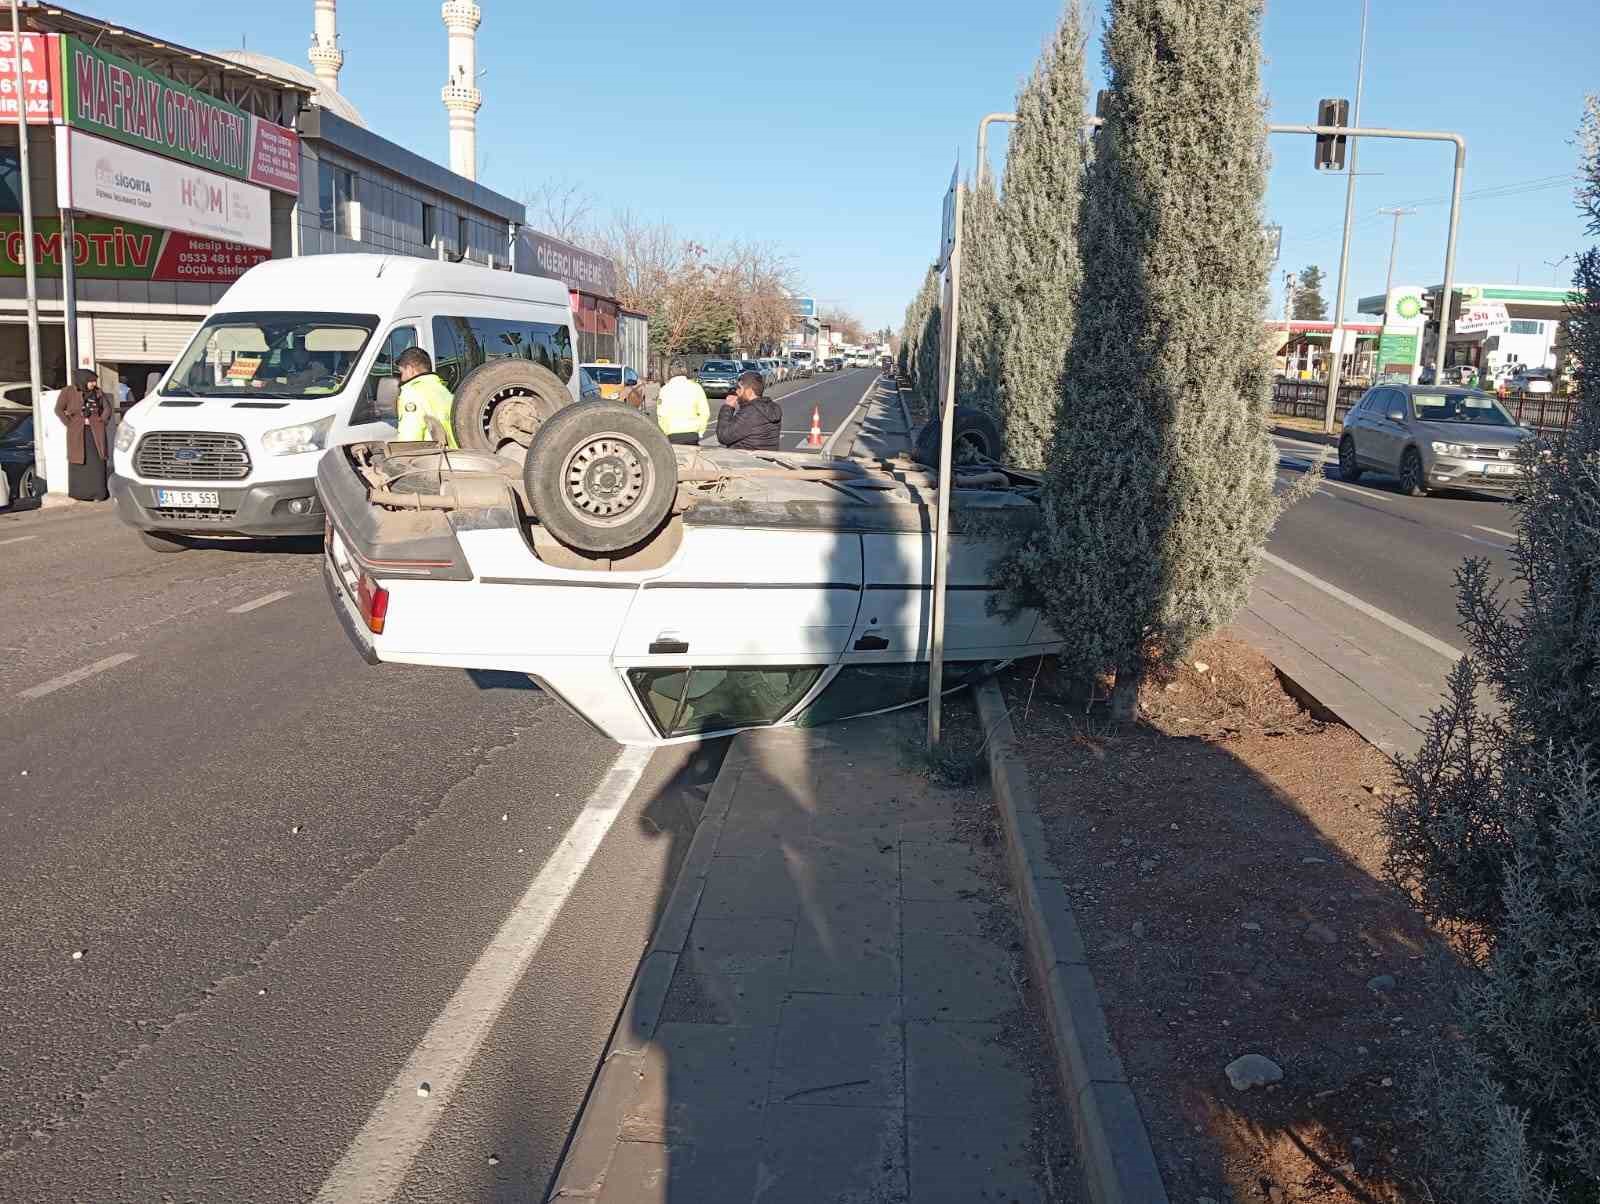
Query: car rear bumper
{"x":347,"y":619}
{"x":274,"y":508}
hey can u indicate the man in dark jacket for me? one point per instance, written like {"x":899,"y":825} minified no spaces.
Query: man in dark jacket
{"x":748,"y":421}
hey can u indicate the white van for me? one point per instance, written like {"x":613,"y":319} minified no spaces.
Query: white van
{"x":295,"y":358}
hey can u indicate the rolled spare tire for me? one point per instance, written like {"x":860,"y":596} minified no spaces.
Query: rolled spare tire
{"x":977,"y":436}
{"x":600,"y":476}
{"x":501,"y":404}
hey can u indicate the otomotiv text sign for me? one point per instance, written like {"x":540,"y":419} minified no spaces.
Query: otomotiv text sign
{"x":116,"y":98}
{"x":113,"y":250}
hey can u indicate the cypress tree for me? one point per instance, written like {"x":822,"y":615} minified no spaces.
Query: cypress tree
{"x":985,"y":272}
{"x":1039,"y":244}
{"x":1159,"y":490}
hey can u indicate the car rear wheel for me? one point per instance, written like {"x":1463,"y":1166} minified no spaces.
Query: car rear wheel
{"x":1412,"y":481}
{"x":501,"y":405}
{"x":600,"y":477}
{"x":976,"y":437}
{"x":1349,"y":469}
{"x":27,"y":484}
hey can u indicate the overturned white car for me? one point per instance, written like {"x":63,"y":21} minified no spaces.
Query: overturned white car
{"x":666,"y":593}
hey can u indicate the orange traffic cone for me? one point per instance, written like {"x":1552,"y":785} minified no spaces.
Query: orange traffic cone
{"x":815,"y":438}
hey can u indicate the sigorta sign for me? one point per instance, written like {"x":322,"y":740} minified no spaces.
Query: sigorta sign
{"x":111,"y":250}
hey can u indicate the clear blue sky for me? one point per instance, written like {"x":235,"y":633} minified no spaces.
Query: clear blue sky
{"x":829,"y":129}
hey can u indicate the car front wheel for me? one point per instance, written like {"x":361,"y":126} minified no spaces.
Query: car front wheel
{"x":1412,"y":481}
{"x":1349,"y":469}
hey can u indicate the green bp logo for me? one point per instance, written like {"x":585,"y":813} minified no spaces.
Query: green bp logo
{"x":1408,"y":306}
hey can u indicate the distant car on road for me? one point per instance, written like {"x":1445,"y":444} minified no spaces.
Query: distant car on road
{"x":759,"y":369}
{"x":718,"y":377}
{"x":777,"y":370}
{"x":799,"y":367}
{"x":613,"y":379}
{"x":16,"y":453}
{"x":1432,"y":437}
{"x":833,"y":363}
{"x":1532,"y":380}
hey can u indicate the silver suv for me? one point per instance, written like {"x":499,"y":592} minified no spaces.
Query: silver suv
{"x":1432,"y":437}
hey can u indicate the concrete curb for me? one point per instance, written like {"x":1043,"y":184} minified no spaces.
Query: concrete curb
{"x":1113,"y":1144}
{"x":905,"y":410}
{"x":594,"y":1139}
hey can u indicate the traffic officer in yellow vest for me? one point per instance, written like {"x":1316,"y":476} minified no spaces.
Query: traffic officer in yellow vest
{"x":682,"y":411}
{"x":424,"y":403}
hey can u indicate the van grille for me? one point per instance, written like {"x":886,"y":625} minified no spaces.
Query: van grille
{"x":192,"y":456}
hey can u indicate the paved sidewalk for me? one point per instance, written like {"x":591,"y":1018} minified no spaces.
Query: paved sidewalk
{"x":844,"y":1019}
{"x":883,"y":431}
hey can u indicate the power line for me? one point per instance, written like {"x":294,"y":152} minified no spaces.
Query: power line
{"x":1492,"y":193}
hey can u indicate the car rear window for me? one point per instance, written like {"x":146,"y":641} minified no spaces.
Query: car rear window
{"x":606,"y":376}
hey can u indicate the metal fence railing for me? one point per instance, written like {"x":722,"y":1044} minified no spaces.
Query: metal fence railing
{"x":1309,"y":399}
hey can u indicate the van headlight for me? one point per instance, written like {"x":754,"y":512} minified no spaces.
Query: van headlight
{"x":125,"y":436}
{"x":1448,"y":449}
{"x":291,"y":440}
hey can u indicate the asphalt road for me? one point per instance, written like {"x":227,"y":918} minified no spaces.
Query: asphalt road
{"x":242,"y":875}
{"x":1394,"y":552}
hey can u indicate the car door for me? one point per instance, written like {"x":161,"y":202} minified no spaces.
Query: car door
{"x":1357,"y":420}
{"x":1388,"y":431}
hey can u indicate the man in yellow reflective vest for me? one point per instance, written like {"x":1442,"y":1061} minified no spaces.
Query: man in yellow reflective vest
{"x":682,"y":411}
{"x":424,"y":403}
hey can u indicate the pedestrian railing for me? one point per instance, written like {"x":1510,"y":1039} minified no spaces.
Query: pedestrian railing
{"x":1309,"y":399}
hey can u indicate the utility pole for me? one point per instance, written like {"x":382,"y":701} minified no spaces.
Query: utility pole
{"x":1289,"y":282}
{"x":35,"y":375}
{"x":1388,"y":280}
{"x":1555,"y":266}
{"x":1334,"y":370}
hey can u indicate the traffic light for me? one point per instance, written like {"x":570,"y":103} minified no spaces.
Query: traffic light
{"x":1429,"y":305}
{"x":1330,"y":147}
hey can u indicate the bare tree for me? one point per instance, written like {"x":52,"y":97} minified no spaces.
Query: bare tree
{"x":850,"y":327}
{"x":560,"y":207}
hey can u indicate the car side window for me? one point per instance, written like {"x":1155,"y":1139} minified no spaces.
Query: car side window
{"x":863,"y":689}
{"x":1394,"y":400}
{"x":366,"y":407}
{"x":630,"y":377}
{"x":685,"y":701}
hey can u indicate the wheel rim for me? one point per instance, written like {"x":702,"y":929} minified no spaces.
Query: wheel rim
{"x":511,"y":416}
{"x":605,"y":479}
{"x":25,"y":486}
{"x":1408,"y":471}
{"x":1347,"y":457}
{"x":974,"y":446}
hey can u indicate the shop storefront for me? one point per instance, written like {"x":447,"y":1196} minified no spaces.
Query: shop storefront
{"x":592,"y":281}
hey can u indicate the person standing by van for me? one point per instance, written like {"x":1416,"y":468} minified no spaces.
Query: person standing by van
{"x":682,"y":411}
{"x":424,"y":403}
{"x":84,"y":411}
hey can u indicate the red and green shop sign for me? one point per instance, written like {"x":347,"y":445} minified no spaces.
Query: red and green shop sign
{"x":113,"y":97}
{"x":105,"y":249}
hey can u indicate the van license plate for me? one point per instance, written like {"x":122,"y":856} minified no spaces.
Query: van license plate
{"x":188,"y":499}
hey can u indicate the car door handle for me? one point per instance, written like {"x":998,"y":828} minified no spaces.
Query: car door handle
{"x":668,"y":647}
{"x":871,"y":643}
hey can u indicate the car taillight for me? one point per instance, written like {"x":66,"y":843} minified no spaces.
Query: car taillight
{"x":373,"y":601}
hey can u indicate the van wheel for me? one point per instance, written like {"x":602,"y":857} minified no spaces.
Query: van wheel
{"x":600,"y":476}
{"x":503,"y":402}
{"x":977,"y":436}
{"x":162,"y":543}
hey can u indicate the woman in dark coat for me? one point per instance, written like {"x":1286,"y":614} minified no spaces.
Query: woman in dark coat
{"x":83,"y":411}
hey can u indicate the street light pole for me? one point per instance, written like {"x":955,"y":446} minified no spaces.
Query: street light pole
{"x":1555,"y":266}
{"x":983,"y":143}
{"x":1334,"y":371}
{"x":1388,"y":279}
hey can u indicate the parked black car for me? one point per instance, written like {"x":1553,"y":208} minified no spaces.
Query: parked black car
{"x":16,"y":453}
{"x":718,"y":377}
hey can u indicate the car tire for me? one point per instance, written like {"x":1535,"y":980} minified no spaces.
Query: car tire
{"x":27,"y":486}
{"x":600,"y":477}
{"x":503,"y":403}
{"x":1349,"y":467}
{"x":162,"y":543}
{"x":975,"y":430}
{"x":1412,"y":481}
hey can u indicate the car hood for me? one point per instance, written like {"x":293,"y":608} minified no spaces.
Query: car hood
{"x":1468,"y":432}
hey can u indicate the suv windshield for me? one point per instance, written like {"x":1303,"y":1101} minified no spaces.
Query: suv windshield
{"x":716,"y":366}
{"x":1477,"y":408}
{"x":271,"y":355}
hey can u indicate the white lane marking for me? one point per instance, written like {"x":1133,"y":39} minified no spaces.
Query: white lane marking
{"x":1495,"y":531}
{"x":1488,"y":543}
{"x":1448,"y":651}
{"x":377,"y":1161}
{"x":265,"y":600}
{"x":73,"y":678}
{"x":17,"y":539}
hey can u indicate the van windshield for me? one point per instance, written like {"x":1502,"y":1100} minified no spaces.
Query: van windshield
{"x":290,"y":354}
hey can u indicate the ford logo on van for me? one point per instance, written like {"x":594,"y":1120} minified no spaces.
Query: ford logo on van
{"x":187,"y":455}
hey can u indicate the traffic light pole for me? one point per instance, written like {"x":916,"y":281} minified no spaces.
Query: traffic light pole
{"x":1336,"y":366}
{"x":1460,"y":144}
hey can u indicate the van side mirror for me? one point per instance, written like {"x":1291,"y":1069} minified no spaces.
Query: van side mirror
{"x":151,"y":380}
{"x":388,"y":398}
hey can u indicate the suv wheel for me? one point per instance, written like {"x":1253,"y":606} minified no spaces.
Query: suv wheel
{"x":1412,"y":481}
{"x":1349,"y":469}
